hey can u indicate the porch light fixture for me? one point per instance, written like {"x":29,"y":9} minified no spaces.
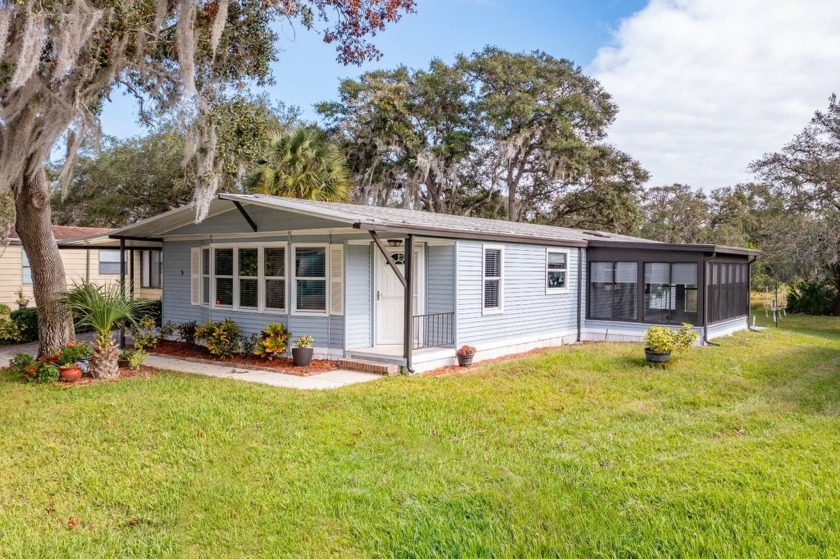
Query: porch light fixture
{"x":394,"y":242}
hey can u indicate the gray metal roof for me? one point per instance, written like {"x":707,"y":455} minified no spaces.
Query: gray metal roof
{"x":420,"y":222}
{"x":403,"y":221}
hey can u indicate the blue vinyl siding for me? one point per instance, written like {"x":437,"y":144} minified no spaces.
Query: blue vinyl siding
{"x":528,"y":310}
{"x":326,"y":331}
{"x":440,"y":279}
{"x":358,"y":306}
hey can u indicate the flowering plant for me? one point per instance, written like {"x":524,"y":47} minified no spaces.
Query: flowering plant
{"x":32,"y":370}
{"x":465,"y":351}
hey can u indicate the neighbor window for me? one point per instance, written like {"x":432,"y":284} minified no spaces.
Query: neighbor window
{"x":205,"y":276}
{"x":274,"y":278}
{"x":612,"y":290}
{"x":556,"y":269}
{"x":27,"y":269}
{"x":223,"y":274}
{"x":150,"y":266}
{"x":493,"y":278}
{"x":310,"y":279}
{"x":670,"y":293}
{"x":109,"y":262}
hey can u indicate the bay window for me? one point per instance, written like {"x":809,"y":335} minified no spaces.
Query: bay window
{"x":309,"y":283}
{"x":247,"y":277}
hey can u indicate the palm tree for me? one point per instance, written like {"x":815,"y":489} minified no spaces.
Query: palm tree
{"x":302,"y":164}
{"x":101,"y":308}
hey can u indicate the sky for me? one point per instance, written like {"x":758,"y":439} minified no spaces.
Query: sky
{"x":703,"y":87}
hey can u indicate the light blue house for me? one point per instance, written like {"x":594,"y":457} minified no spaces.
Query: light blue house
{"x":408,"y":287}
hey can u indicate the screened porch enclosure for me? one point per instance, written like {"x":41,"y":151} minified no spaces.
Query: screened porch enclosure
{"x":665,"y":287}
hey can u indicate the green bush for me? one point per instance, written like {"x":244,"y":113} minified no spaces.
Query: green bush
{"x":248,"y":344}
{"x":814,"y":297}
{"x":26,"y":320}
{"x":221,"y":338}
{"x":186,"y":332}
{"x":152,"y":308}
{"x":144,"y":333}
{"x":31,"y":370}
{"x":273,"y":340}
{"x":661,"y":339}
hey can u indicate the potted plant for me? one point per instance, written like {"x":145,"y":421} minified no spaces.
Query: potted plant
{"x":21,"y":300}
{"x":68,"y":364}
{"x":302,"y":352}
{"x":465,"y":355}
{"x":660,"y":341}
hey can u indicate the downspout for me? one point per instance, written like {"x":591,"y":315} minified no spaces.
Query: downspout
{"x":749,"y":293}
{"x":408,"y":313}
{"x":579,"y":290}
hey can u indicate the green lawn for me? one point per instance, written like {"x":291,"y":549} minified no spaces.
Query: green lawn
{"x":583,"y":451}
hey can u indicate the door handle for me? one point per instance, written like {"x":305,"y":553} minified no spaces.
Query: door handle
{"x":377,"y":295}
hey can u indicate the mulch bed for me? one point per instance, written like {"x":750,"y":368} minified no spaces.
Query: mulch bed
{"x":200,"y":354}
{"x":125,"y":373}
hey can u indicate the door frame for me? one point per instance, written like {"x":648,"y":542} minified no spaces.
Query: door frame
{"x":419,"y":270}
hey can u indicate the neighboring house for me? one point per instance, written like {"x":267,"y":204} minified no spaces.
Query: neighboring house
{"x":80,"y":264}
{"x":341,"y":273}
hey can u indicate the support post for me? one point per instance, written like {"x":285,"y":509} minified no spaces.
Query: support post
{"x":131,"y":272}
{"x":408,"y":332}
{"x":122,"y":286}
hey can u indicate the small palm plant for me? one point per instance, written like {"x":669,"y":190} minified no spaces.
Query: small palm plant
{"x":102,"y":308}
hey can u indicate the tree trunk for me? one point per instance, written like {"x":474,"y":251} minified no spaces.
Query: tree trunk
{"x":836,"y":281}
{"x":33,"y":223}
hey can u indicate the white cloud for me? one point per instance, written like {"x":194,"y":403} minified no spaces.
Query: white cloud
{"x":706,"y":86}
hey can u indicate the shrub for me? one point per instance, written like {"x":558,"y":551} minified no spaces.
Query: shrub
{"x":168,"y":329}
{"x":73,"y":353}
{"x":26,"y":321}
{"x":144,"y":333}
{"x":814,"y":297}
{"x":9,"y":330}
{"x":152,"y":308}
{"x":273,"y":340}
{"x":661,"y":339}
{"x":31,"y":370}
{"x":248,"y":344}
{"x":21,"y":364}
{"x":186,"y":332}
{"x":136,"y":358}
{"x":221,"y":338}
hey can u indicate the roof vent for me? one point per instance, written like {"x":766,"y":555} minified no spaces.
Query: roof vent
{"x":596,"y":234}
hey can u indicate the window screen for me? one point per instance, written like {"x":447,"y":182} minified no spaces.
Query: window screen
{"x":492,"y":278}
{"x":612,"y":290}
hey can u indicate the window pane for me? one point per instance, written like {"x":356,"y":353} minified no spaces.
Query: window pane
{"x":109,"y":262}
{"x":312,"y":295}
{"x":224,"y":261}
{"x":109,"y":256}
{"x":311,"y":263}
{"x":491,"y":294}
{"x":624,"y":296}
{"x":205,"y":291}
{"x":658,"y":301}
{"x":275,"y":261}
{"x":556,"y":260}
{"x":492,"y":263}
{"x":157,"y":271}
{"x":556,"y":279}
{"x":684,"y":273}
{"x":224,"y":291}
{"x":684,"y":293}
{"x":275,"y":294}
{"x":205,"y":261}
{"x":248,"y":262}
{"x":248,"y":293}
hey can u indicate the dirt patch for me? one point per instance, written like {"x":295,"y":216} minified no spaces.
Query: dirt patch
{"x":125,"y":373}
{"x":458,"y":370}
{"x":281,"y":365}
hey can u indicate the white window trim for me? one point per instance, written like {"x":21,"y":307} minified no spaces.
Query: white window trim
{"x":501,"y":308}
{"x":294,"y":279}
{"x":556,"y":290}
{"x":209,"y":274}
{"x":260,"y":308}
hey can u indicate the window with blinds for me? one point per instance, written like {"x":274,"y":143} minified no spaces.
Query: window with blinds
{"x":613,"y":290}
{"x":274,"y":278}
{"x":493,"y":281}
{"x":310,"y":279}
{"x":670,"y":293}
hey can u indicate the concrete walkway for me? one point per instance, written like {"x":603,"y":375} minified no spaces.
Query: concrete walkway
{"x":332,"y":379}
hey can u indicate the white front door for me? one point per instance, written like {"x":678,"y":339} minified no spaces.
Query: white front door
{"x":389,"y":295}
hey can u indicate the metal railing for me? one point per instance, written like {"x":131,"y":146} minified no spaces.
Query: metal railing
{"x":434,"y":330}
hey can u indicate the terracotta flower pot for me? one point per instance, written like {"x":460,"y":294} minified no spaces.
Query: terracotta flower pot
{"x":71,"y":374}
{"x":302,"y":356}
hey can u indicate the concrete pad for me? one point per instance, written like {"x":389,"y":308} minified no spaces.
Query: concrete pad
{"x":345,"y":377}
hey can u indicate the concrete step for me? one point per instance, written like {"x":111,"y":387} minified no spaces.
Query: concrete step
{"x":365,"y":366}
